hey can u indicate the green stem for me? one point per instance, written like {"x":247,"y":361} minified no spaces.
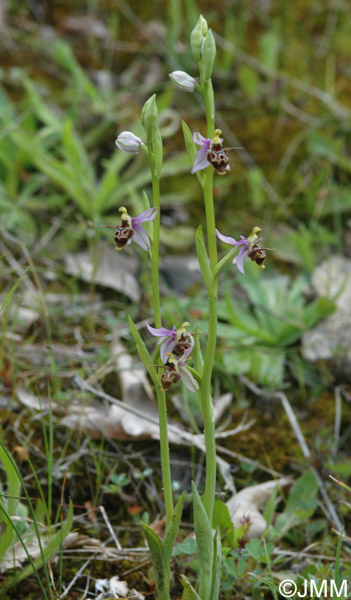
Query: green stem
{"x":206,"y":405}
{"x":209,"y":107}
{"x":161,"y":397}
{"x":155,"y":249}
{"x":164,"y":448}
{"x":210,"y":218}
{"x":205,"y":390}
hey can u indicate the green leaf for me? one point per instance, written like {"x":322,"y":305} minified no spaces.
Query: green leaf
{"x":204,"y":540}
{"x":157,"y":150}
{"x":12,"y":291}
{"x":9,"y":506}
{"x":40,"y":107}
{"x":65,"y":57}
{"x":314,"y":312}
{"x":48,"y":552}
{"x":188,"y":546}
{"x":76,"y":155}
{"x":172,"y":530}
{"x":65,"y":176}
{"x":188,"y":590}
{"x":203,"y":258}
{"x":245,"y":320}
{"x":148,"y":225}
{"x":301,"y":504}
{"x":263,"y":364}
{"x":221,"y":515}
{"x":155,"y":545}
{"x":268,"y":582}
{"x":224,"y":261}
{"x":217,"y":567}
{"x":254,"y":548}
{"x":178,"y":237}
{"x":106,"y":193}
{"x":108,"y":184}
{"x":305,"y":488}
{"x":143,"y":352}
{"x":269,"y":48}
{"x":146,"y":203}
{"x":255,"y":178}
{"x":269,"y":509}
{"x":198,"y":359}
{"x":222,"y":520}
{"x":249,"y":81}
{"x":189,"y":144}
{"x":267,"y":366}
{"x":192,"y":150}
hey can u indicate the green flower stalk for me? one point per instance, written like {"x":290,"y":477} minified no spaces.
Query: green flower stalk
{"x":204,"y":51}
{"x":155,"y":152}
{"x":129,"y":230}
{"x":127,"y":142}
{"x":205,"y":390}
{"x":175,"y":346}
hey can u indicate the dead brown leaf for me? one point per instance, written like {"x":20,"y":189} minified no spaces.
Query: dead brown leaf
{"x":247,"y":504}
{"x":107,"y":268}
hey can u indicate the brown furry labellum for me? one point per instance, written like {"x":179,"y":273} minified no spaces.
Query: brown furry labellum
{"x":169,"y":377}
{"x":218,"y":158}
{"x":258,"y":255}
{"x":122,"y":235}
{"x":182,"y":345}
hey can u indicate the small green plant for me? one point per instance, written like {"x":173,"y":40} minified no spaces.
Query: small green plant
{"x":59,"y":150}
{"x":116,"y":483}
{"x":16,"y":527}
{"x":260,"y":330}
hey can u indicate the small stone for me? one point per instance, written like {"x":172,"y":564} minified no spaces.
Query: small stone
{"x":330,"y":340}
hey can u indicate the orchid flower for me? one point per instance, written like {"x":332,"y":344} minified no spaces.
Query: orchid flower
{"x":175,"y":370}
{"x":248,"y":248}
{"x":132,"y":230}
{"x":211,"y":153}
{"x":173,"y":340}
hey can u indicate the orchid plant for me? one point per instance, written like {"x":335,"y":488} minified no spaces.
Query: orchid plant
{"x":175,"y":345}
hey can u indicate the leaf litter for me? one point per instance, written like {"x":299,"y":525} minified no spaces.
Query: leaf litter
{"x":108,"y":269}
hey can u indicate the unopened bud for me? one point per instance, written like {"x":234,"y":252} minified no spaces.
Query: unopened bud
{"x":197,"y":36}
{"x":128,"y":142}
{"x":208,"y":55}
{"x":204,"y":25}
{"x":183,"y":81}
{"x":149,"y":116}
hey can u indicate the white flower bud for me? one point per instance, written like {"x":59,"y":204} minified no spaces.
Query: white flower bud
{"x":128,"y":142}
{"x":183,"y":81}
